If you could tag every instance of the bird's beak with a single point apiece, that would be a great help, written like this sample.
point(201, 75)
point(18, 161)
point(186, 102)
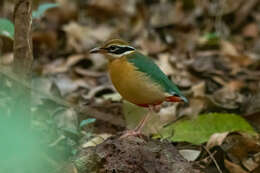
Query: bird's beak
point(97, 50)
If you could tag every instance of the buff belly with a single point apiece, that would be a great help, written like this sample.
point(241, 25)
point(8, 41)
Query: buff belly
point(133, 85)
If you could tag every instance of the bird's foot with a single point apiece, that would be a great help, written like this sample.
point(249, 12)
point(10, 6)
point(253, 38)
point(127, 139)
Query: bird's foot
point(135, 132)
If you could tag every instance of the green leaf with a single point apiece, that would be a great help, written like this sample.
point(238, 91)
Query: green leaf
point(210, 36)
point(42, 9)
point(6, 28)
point(210, 39)
point(199, 130)
point(87, 121)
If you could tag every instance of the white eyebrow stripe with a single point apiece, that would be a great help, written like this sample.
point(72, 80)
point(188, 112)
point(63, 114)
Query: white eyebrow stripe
point(128, 47)
point(120, 55)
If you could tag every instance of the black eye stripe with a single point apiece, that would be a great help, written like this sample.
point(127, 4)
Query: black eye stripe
point(112, 48)
point(119, 49)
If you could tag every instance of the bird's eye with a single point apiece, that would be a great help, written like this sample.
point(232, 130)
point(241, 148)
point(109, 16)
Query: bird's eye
point(113, 48)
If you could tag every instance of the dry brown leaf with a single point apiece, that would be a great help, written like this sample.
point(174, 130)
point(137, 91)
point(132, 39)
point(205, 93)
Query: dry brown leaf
point(96, 140)
point(250, 164)
point(227, 6)
point(46, 39)
point(190, 155)
point(199, 89)
point(196, 105)
point(251, 30)
point(228, 48)
point(66, 12)
point(226, 98)
point(99, 62)
point(114, 6)
point(151, 44)
point(166, 13)
point(67, 120)
point(237, 58)
point(168, 114)
point(68, 85)
point(6, 59)
point(56, 66)
point(236, 85)
point(239, 146)
point(163, 63)
point(85, 37)
point(216, 139)
point(61, 65)
point(234, 168)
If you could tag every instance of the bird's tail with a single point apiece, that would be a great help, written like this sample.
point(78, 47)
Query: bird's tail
point(177, 99)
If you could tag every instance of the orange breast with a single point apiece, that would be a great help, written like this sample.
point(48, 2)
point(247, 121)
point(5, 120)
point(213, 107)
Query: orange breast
point(133, 85)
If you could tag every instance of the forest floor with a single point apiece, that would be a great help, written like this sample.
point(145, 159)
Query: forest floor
point(210, 49)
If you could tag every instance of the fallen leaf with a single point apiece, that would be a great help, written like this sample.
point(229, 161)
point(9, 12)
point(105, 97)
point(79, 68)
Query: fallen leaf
point(196, 105)
point(190, 155)
point(226, 98)
point(61, 65)
point(163, 63)
point(67, 85)
point(83, 38)
point(228, 49)
point(6, 59)
point(250, 164)
point(216, 139)
point(251, 30)
point(151, 44)
point(234, 168)
point(96, 140)
point(199, 130)
point(67, 121)
point(166, 13)
point(241, 146)
point(237, 58)
point(112, 7)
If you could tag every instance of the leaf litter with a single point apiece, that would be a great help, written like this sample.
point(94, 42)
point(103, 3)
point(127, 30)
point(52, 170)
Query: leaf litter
point(212, 54)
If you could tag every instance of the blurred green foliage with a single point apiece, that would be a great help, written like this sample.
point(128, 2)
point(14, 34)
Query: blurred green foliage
point(42, 9)
point(6, 28)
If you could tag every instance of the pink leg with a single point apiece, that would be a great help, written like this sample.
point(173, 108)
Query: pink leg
point(141, 124)
point(138, 130)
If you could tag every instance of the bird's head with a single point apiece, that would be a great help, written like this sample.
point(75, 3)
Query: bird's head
point(114, 49)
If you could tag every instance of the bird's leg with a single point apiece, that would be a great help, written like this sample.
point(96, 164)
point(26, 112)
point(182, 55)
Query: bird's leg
point(138, 130)
point(141, 125)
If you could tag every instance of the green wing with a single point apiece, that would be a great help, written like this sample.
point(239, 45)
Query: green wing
point(147, 66)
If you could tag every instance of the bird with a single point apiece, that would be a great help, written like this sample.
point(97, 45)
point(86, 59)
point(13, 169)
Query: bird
point(138, 79)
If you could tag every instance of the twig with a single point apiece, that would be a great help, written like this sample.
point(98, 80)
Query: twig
point(212, 157)
point(23, 56)
point(2, 2)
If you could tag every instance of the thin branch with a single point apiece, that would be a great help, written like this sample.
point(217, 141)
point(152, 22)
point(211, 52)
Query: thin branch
point(2, 2)
point(213, 159)
point(23, 56)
